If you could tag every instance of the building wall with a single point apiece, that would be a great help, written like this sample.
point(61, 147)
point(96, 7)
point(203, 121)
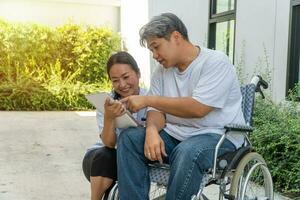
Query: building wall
point(57, 12)
point(261, 42)
point(193, 13)
point(134, 14)
point(281, 49)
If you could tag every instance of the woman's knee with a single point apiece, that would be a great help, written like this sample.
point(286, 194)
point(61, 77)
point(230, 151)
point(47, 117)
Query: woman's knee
point(105, 154)
point(87, 163)
point(105, 163)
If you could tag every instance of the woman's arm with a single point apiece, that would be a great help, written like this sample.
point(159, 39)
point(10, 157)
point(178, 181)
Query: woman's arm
point(112, 110)
point(108, 134)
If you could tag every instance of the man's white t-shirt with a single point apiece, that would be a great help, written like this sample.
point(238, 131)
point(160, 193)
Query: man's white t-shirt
point(211, 80)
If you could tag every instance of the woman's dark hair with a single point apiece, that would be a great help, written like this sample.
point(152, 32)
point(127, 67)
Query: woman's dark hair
point(121, 57)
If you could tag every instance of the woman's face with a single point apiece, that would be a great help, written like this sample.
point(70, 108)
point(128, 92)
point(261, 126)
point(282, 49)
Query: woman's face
point(124, 79)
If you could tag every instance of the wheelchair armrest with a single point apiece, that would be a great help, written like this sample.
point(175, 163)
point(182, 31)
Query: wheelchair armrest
point(238, 127)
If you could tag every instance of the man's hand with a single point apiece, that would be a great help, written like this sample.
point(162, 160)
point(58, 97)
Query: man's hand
point(154, 148)
point(135, 102)
point(113, 109)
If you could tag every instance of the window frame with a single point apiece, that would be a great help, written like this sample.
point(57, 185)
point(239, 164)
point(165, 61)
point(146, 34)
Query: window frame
point(292, 71)
point(215, 18)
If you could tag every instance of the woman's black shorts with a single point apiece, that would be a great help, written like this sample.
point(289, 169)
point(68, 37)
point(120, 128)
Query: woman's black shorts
point(100, 162)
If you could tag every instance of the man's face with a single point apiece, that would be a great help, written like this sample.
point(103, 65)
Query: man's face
point(163, 51)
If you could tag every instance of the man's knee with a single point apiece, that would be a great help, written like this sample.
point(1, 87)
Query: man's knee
point(185, 154)
point(181, 155)
point(131, 135)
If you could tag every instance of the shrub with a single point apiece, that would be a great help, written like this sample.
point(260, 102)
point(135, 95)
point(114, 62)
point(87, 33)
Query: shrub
point(43, 68)
point(277, 138)
point(86, 49)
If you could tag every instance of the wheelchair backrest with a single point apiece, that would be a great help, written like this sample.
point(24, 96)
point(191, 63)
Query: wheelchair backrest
point(248, 97)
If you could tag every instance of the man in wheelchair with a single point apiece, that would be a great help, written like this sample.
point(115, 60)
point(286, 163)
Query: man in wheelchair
point(194, 94)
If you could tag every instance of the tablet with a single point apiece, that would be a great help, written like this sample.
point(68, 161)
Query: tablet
point(98, 100)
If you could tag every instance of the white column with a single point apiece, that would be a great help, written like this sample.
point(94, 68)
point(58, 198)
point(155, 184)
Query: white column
point(134, 14)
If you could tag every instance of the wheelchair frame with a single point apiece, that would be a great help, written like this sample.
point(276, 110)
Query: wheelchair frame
point(230, 169)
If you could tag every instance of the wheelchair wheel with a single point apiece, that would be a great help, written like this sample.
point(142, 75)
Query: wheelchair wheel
point(252, 179)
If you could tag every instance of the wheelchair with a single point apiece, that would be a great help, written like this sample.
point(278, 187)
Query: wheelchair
point(240, 175)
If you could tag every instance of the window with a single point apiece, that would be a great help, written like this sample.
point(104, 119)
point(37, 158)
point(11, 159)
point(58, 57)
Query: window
point(293, 75)
point(222, 26)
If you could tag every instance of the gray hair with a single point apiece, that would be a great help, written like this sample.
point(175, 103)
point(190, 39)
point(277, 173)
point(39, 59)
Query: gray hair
point(162, 26)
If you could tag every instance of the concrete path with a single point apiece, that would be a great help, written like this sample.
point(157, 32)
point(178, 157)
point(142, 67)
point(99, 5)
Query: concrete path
point(41, 154)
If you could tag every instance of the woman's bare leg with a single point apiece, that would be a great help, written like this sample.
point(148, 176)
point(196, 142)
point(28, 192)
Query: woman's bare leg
point(99, 185)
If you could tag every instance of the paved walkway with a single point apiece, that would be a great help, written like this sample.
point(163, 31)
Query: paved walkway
point(41, 154)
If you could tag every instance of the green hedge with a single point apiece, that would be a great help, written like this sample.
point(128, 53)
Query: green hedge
point(43, 68)
point(277, 138)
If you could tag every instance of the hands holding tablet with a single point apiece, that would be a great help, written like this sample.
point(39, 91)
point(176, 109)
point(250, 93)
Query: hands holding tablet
point(113, 108)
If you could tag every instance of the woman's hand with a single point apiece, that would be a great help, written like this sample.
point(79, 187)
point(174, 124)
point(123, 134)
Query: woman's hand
point(113, 109)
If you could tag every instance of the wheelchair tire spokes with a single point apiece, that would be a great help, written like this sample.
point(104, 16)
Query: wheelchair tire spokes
point(252, 179)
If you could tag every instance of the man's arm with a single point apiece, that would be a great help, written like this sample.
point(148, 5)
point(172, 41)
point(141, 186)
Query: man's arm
point(154, 147)
point(185, 107)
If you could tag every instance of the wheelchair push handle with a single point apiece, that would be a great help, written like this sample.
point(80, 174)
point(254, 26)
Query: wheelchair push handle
point(262, 82)
point(259, 82)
